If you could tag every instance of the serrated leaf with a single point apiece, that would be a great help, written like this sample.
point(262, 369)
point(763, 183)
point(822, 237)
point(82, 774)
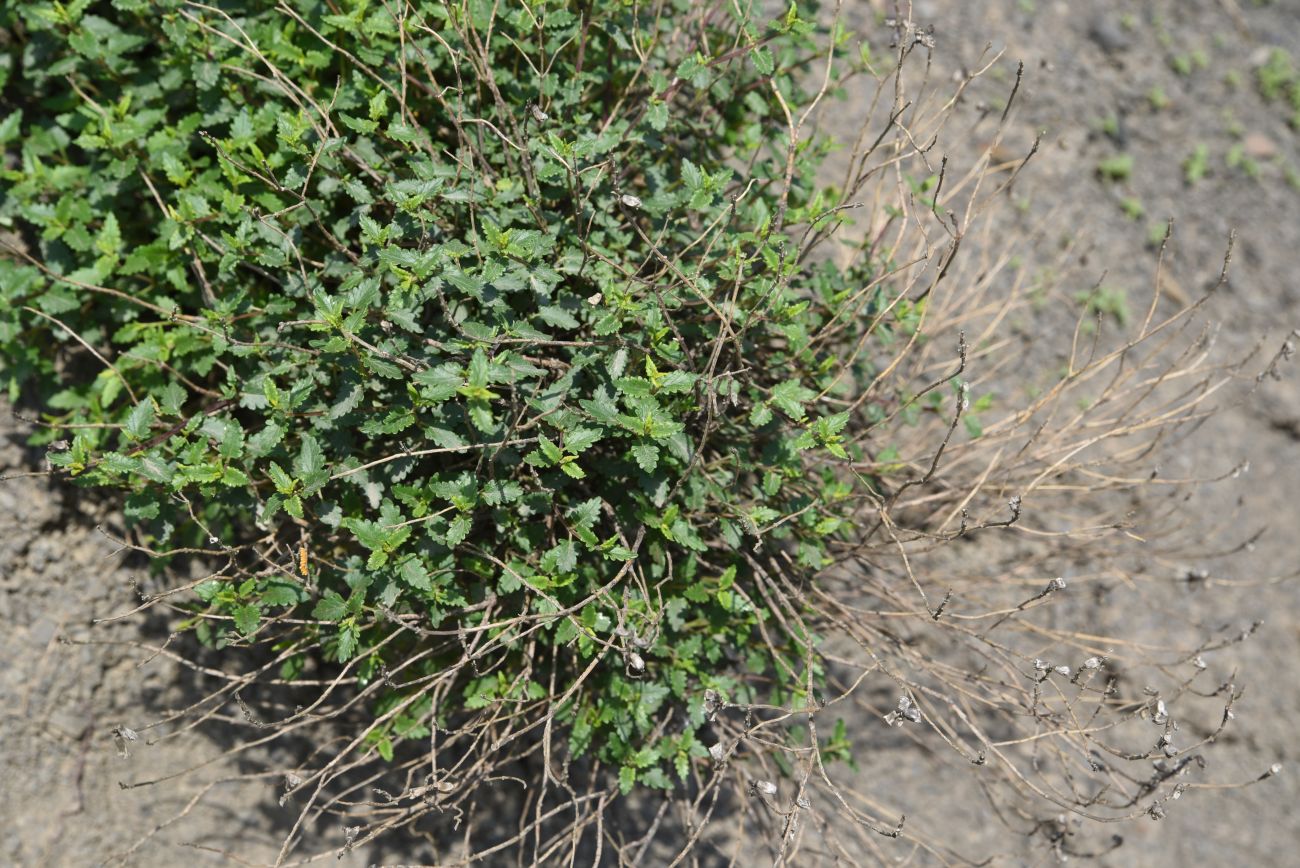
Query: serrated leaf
point(246, 619)
point(554, 315)
point(458, 530)
point(283, 482)
point(370, 534)
point(550, 451)
point(691, 174)
point(566, 558)
point(235, 478)
point(440, 383)
point(635, 386)
point(347, 643)
point(573, 471)
point(477, 372)
point(265, 440)
point(657, 115)
point(172, 399)
point(281, 592)
point(584, 515)
point(646, 456)
point(416, 574)
point(310, 459)
point(384, 368)
point(109, 239)
point(789, 397)
point(139, 419)
point(232, 440)
point(581, 439)
point(677, 381)
point(835, 424)
point(602, 408)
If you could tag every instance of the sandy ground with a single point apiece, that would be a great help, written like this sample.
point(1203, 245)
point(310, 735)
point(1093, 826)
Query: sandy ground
point(1159, 81)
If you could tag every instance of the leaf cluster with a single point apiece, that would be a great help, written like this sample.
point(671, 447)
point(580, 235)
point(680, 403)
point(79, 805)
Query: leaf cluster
point(497, 311)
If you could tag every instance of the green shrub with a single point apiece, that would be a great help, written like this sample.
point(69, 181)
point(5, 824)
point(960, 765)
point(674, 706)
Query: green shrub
point(486, 349)
point(507, 347)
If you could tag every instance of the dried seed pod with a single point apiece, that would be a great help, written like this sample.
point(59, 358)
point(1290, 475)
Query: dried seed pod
point(712, 702)
point(1161, 716)
point(717, 753)
point(767, 788)
point(905, 711)
point(630, 201)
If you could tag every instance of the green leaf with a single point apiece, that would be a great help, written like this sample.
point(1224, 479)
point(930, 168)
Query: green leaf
point(264, 441)
point(573, 471)
point(348, 639)
point(550, 451)
point(330, 607)
point(283, 482)
point(626, 779)
point(282, 592)
point(581, 439)
point(11, 126)
point(790, 397)
point(247, 618)
point(416, 574)
point(566, 559)
point(556, 316)
point(620, 553)
point(478, 370)
point(677, 381)
point(635, 386)
point(585, 514)
point(691, 174)
point(109, 239)
point(139, 420)
point(657, 115)
point(235, 478)
point(440, 383)
point(310, 459)
point(458, 530)
point(646, 455)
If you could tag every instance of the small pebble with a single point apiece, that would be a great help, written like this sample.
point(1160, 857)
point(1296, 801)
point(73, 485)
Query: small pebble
point(1108, 35)
point(1259, 146)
